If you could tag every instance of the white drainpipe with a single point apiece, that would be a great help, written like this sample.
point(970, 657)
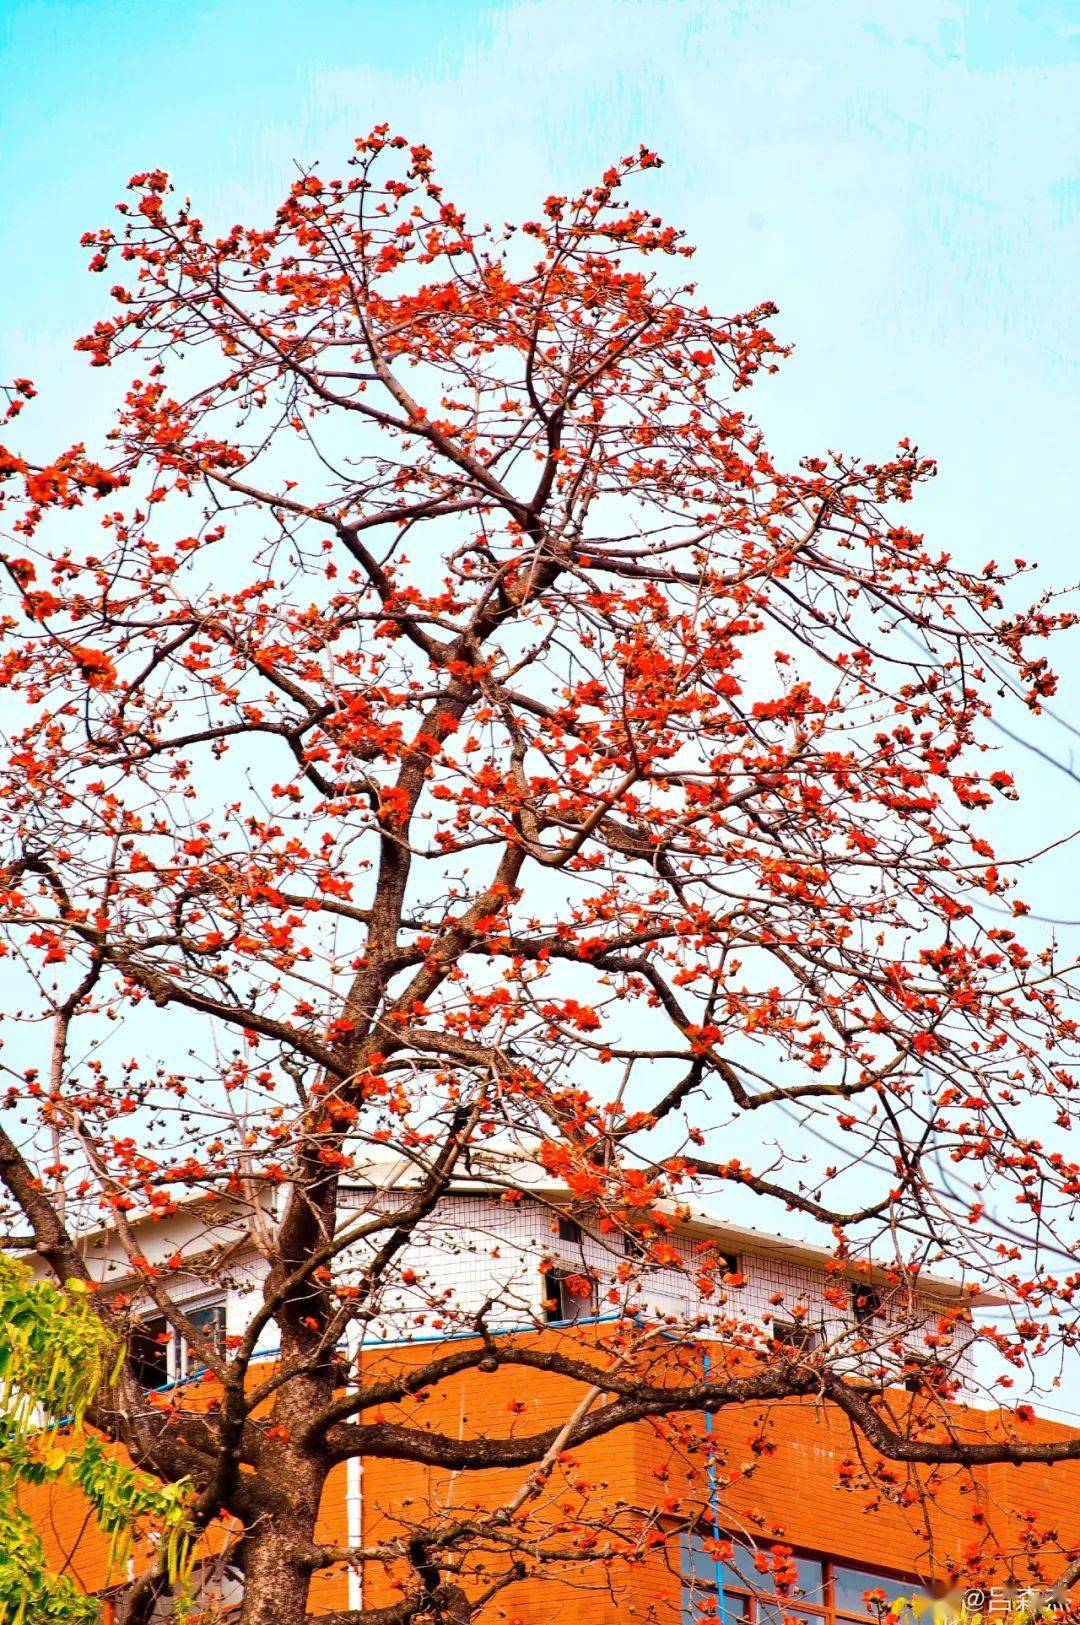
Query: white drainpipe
point(354, 1525)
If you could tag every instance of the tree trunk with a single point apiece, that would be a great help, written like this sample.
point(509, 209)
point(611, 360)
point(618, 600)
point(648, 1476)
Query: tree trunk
point(276, 1582)
point(275, 1585)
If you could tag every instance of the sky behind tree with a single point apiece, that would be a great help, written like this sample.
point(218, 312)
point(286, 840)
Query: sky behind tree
point(900, 182)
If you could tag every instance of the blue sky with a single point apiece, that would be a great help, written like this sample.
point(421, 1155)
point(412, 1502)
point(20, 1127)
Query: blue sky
point(897, 178)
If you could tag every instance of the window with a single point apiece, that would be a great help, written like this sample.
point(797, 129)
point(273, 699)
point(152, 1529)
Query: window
point(634, 1245)
point(210, 1320)
point(924, 1375)
point(151, 1342)
point(160, 1356)
point(861, 1594)
point(815, 1591)
point(568, 1296)
point(866, 1302)
point(795, 1335)
point(730, 1269)
point(569, 1230)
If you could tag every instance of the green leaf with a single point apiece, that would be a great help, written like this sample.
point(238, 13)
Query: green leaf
point(56, 1353)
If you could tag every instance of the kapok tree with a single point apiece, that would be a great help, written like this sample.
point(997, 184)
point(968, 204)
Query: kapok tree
point(434, 718)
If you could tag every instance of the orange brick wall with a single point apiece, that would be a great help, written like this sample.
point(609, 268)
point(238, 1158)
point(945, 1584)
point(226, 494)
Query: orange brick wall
point(792, 1493)
point(949, 1522)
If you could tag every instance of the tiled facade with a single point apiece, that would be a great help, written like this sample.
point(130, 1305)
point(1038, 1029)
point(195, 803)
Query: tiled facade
point(797, 1488)
point(478, 1249)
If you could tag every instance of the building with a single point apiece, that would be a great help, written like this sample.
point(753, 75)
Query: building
point(789, 1482)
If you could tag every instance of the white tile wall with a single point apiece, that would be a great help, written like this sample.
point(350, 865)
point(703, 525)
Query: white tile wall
point(477, 1250)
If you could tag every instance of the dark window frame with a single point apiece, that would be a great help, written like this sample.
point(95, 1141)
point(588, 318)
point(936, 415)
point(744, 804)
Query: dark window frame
point(171, 1360)
point(803, 1336)
point(634, 1244)
point(926, 1373)
point(867, 1303)
point(558, 1298)
point(150, 1343)
point(201, 1315)
point(758, 1605)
